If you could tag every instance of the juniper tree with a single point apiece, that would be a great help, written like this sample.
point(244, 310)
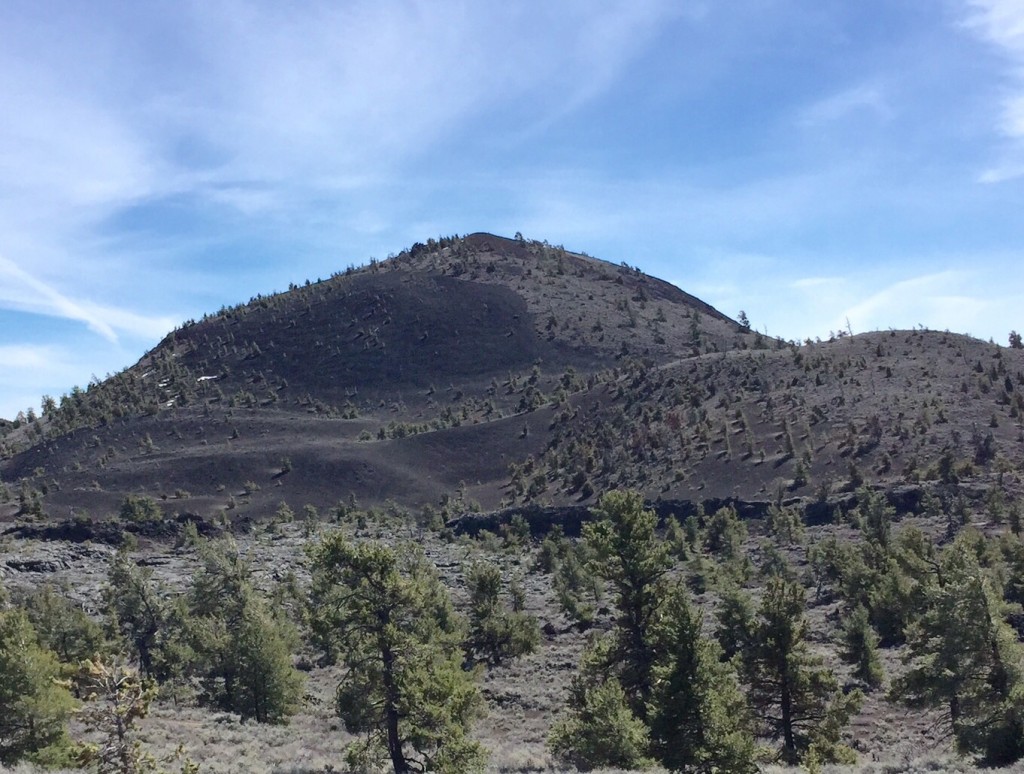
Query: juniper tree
point(388, 620)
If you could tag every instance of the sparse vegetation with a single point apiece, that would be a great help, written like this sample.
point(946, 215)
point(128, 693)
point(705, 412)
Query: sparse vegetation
point(596, 470)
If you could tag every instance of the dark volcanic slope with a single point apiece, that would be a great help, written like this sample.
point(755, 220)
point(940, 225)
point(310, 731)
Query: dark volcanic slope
point(518, 373)
point(369, 382)
point(454, 311)
point(381, 331)
point(883, 408)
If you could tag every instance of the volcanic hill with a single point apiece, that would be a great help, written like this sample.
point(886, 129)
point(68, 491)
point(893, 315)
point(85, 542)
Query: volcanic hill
point(447, 390)
point(507, 373)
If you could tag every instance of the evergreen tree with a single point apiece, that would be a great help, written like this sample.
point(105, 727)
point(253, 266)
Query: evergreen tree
point(1014, 518)
point(828, 559)
point(599, 729)
point(725, 533)
point(797, 697)
point(774, 563)
point(577, 589)
point(267, 687)
point(631, 557)
point(735, 616)
point(34, 706)
point(699, 718)
point(495, 632)
point(654, 687)
point(785, 525)
point(965, 659)
point(860, 648)
point(893, 600)
point(117, 699)
point(63, 626)
point(876, 516)
point(137, 611)
point(392, 625)
point(243, 653)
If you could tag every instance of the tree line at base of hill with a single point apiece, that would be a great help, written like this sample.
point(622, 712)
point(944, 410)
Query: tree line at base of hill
point(665, 682)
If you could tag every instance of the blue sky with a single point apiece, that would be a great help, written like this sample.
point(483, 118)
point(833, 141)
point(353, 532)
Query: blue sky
point(810, 162)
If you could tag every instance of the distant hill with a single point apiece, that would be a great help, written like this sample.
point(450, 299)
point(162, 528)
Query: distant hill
point(512, 372)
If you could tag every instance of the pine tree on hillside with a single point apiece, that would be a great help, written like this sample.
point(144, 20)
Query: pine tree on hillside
point(798, 698)
point(634, 560)
point(393, 627)
point(964, 658)
point(699, 717)
point(34, 706)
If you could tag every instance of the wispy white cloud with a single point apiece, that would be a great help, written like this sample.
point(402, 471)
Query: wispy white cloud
point(1001, 24)
point(572, 205)
point(864, 98)
point(1007, 169)
point(20, 356)
point(170, 157)
point(259, 109)
point(902, 296)
point(964, 301)
point(926, 299)
point(345, 90)
point(29, 371)
point(817, 283)
point(1002, 21)
point(21, 290)
point(140, 147)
